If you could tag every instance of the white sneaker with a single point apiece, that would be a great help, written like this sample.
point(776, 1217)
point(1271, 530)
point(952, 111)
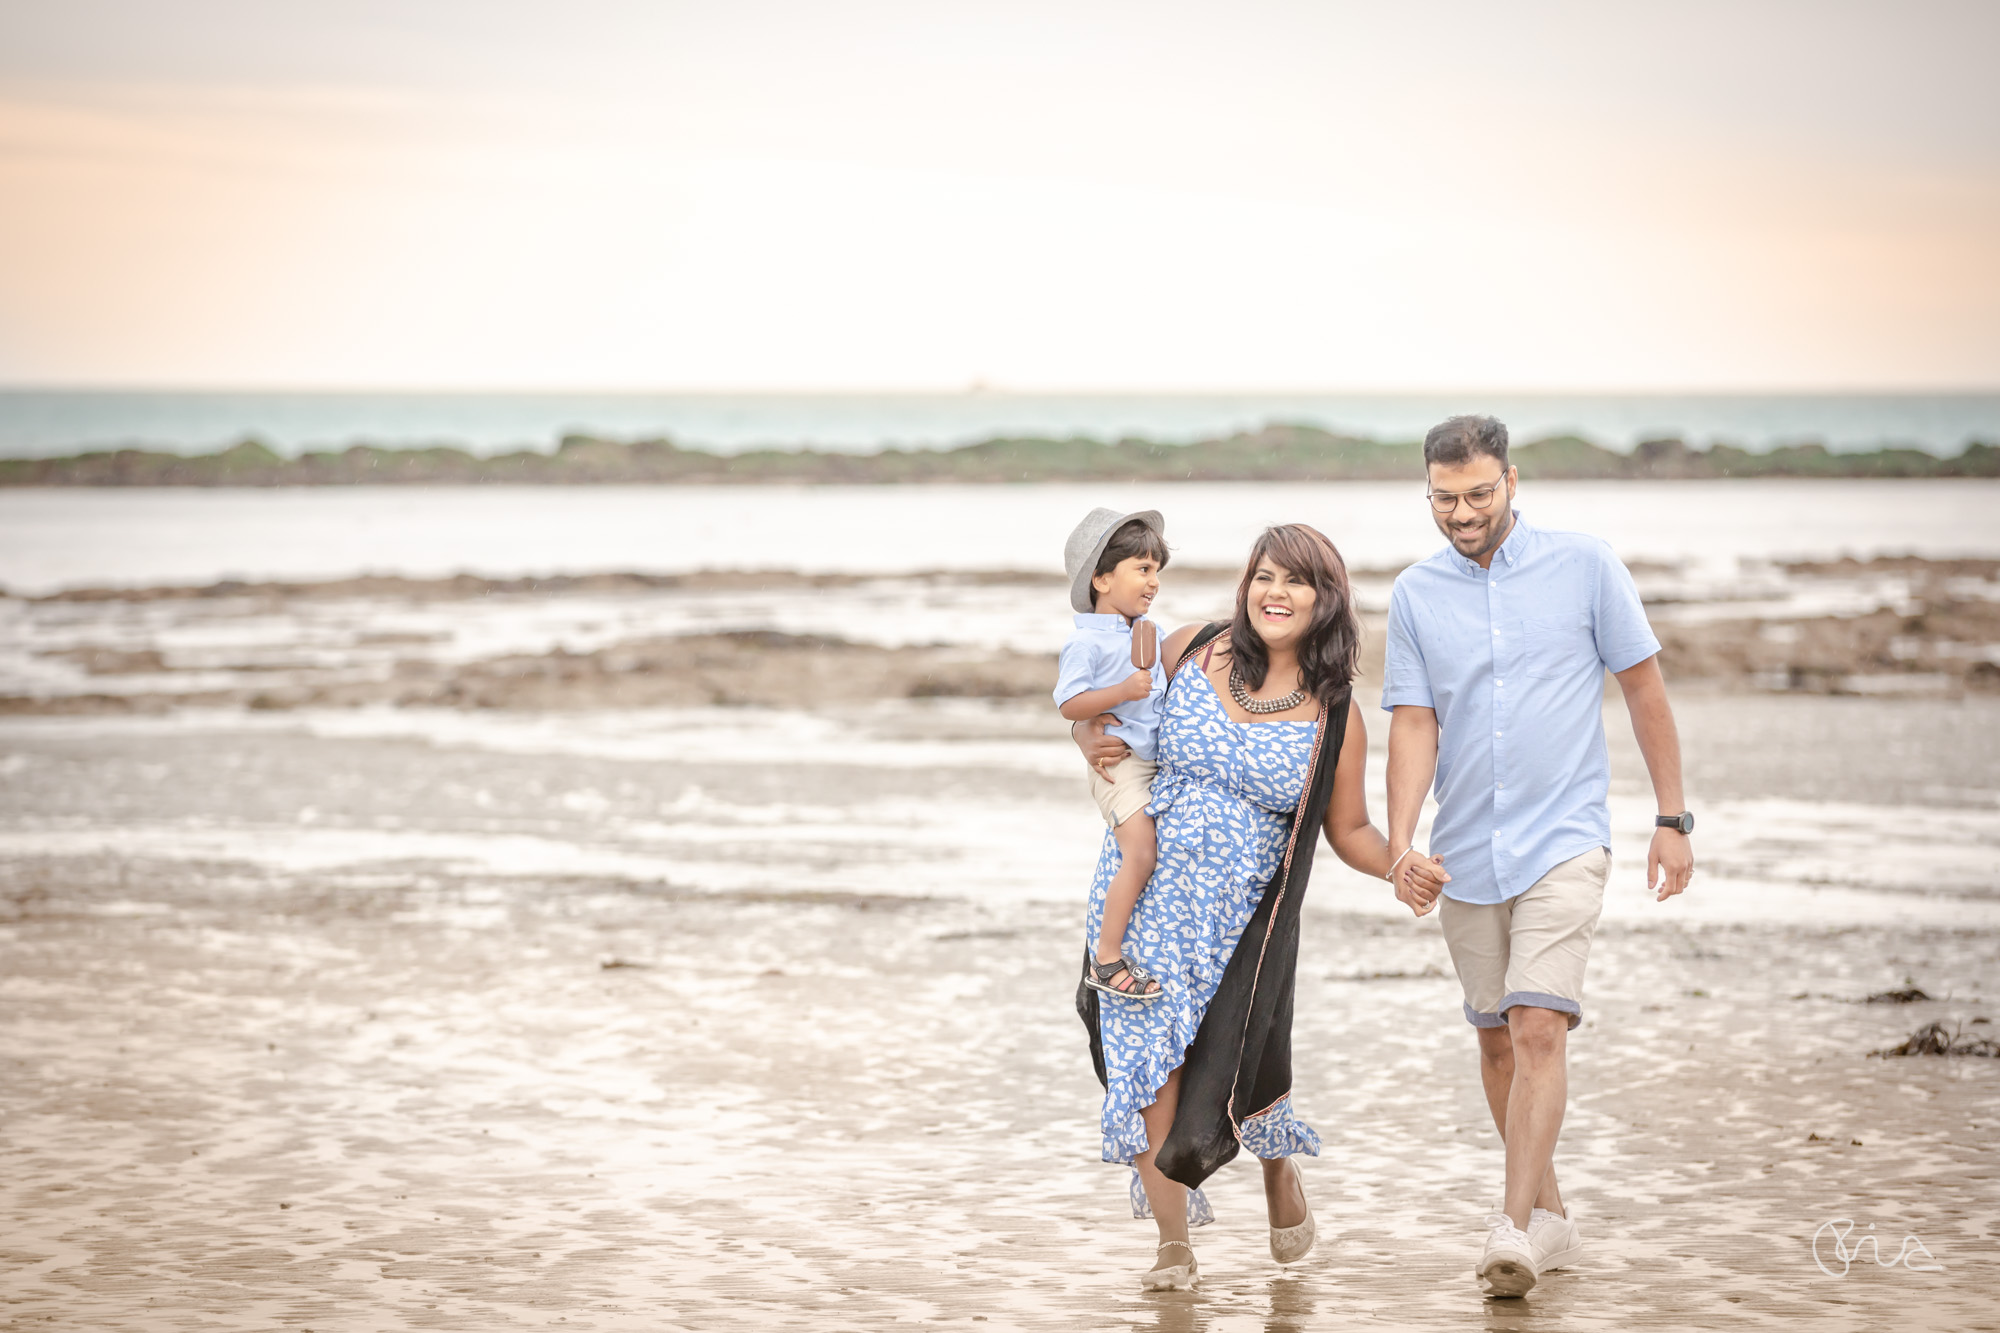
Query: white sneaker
point(1507, 1269)
point(1557, 1242)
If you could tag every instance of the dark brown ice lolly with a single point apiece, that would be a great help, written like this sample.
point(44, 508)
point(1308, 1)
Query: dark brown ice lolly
point(1145, 644)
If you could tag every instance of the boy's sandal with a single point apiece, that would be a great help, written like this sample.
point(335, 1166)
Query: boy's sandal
point(1122, 978)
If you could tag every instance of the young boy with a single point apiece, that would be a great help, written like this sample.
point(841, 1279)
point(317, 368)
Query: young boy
point(1110, 664)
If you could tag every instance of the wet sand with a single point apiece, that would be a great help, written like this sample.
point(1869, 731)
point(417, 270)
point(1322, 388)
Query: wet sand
point(432, 1019)
point(348, 1104)
point(696, 952)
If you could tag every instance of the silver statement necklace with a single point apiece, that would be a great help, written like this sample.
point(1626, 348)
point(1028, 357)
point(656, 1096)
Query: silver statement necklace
point(1241, 694)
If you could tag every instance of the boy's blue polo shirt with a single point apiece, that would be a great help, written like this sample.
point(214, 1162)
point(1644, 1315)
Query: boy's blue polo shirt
point(1513, 661)
point(1097, 655)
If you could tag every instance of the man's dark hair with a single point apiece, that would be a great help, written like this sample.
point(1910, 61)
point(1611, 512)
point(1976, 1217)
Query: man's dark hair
point(1133, 538)
point(1458, 440)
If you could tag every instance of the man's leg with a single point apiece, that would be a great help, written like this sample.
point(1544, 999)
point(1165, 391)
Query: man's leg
point(1548, 950)
point(1524, 1085)
point(1478, 936)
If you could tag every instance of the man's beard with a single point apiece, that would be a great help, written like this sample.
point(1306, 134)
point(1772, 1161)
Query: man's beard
point(1488, 537)
point(1473, 542)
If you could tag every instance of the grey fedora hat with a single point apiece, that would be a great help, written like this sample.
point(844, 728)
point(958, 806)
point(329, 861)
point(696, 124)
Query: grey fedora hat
point(1087, 543)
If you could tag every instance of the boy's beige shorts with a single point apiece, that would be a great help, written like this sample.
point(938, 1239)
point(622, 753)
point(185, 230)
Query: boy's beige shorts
point(1532, 948)
point(1131, 786)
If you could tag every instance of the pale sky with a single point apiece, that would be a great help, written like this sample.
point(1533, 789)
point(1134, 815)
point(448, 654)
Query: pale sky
point(1081, 195)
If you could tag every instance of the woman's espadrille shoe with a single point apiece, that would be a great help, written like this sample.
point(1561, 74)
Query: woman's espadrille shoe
point(1172, 1277)
point(1291, 1244)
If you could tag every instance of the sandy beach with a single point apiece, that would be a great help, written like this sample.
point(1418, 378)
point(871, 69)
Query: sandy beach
point(337, 1000)
point(535, 550)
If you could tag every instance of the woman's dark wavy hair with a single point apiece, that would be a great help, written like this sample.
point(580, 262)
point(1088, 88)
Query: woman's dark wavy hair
point(1331, 646)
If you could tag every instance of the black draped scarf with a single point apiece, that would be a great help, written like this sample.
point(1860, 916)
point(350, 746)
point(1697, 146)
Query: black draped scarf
point(1240, 1061)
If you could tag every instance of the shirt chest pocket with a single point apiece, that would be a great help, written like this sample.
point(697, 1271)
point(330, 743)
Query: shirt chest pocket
point(1558, 646)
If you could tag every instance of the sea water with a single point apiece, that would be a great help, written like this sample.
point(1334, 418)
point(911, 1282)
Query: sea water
point(58, 538)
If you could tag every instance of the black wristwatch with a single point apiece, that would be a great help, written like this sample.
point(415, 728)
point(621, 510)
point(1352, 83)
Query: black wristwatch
point(1684, 821)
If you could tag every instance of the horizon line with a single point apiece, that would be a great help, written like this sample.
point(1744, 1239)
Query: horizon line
point(982, 390)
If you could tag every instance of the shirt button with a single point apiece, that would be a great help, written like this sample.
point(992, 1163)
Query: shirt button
point(1498, 682)
point(1499, 786)
point(1496, 735)
point(1496, 833)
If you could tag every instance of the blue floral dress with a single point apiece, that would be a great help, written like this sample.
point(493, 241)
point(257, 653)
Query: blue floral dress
point(1222, 801)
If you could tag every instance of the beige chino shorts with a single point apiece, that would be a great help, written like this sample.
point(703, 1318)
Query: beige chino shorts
point(1130, 788)
point(1531, 949)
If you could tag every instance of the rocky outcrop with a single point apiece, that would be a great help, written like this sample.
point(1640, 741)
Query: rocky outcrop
point(1275, 453)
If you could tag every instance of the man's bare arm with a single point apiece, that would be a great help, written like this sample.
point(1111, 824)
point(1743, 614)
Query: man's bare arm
point(1670, 859)
point(1413, 752)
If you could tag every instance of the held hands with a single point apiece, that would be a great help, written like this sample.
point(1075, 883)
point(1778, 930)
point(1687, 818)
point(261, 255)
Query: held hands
point(1419, 880)
point(1669, 862)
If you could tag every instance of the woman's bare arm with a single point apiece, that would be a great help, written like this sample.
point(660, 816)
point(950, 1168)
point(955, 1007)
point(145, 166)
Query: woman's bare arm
point(1348, 829)
point(1176, 644)
point(1352, 835)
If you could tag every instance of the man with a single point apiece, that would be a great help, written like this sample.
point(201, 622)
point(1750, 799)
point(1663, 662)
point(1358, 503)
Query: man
point(1495, 677)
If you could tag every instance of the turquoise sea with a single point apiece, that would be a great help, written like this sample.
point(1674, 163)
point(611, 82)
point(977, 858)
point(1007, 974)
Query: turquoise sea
point(41, 422)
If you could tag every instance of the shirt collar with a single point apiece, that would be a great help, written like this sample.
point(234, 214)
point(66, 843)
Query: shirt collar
point(1516, 544)
point(1510, 552)
point(1110, 620)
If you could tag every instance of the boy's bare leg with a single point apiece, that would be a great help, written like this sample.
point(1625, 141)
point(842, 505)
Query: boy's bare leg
point(1168, 1197)
point(1138, 851)
point(1502, 1081)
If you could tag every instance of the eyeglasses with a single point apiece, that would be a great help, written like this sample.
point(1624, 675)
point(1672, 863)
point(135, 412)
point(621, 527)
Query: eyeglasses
point(1479, 498)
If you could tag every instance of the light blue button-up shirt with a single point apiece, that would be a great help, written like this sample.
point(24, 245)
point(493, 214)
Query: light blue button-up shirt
point(1097, 654)
point(1513, 660)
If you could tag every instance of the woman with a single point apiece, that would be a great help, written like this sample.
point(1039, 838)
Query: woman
point(1260, 744)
